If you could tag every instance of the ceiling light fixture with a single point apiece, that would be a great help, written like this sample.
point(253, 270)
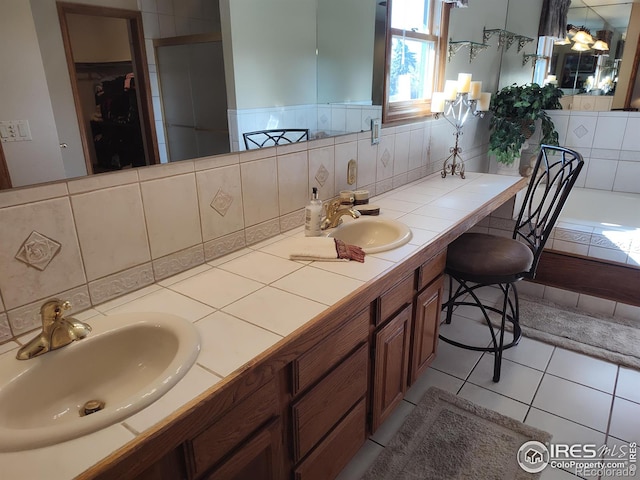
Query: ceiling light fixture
point(600, 45)
point(580, 47)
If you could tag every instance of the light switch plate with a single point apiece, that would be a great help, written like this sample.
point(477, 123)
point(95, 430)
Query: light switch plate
point(375, 131)
point(14, 131)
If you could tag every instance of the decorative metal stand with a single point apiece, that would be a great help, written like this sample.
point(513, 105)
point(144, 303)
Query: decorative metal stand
point(456, 113)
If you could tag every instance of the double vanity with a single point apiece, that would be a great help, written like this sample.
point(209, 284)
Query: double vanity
point(301, 406)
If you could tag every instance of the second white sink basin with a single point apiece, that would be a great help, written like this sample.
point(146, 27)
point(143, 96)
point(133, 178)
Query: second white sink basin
point(373, 234)
point(128, 362)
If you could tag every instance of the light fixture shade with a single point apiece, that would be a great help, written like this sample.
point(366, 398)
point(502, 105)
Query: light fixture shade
point(564, 41)
point(600, 45)
point(580, 47)
point(583, 37)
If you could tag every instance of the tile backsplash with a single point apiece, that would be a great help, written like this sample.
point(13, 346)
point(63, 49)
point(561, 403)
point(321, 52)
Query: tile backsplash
point(93, 239)
point(609, 143)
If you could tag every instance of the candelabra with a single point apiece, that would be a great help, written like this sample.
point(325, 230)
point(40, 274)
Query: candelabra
point(456, 113)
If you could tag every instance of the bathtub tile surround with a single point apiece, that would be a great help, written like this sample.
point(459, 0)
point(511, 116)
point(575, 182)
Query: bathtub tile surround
point(580, 236)
point(609, 143)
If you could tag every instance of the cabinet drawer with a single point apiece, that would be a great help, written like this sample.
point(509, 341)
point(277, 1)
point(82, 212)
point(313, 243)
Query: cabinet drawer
point(319, 359)
point(319, 410)
point(235, 426)
point(396, 297)
point(430, 270)
point(335, 451)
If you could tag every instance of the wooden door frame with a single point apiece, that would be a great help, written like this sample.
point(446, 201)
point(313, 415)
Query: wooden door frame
point(140, 69)
point(5, 178)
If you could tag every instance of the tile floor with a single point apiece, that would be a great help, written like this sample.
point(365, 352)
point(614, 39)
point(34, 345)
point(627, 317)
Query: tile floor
point(577, 398)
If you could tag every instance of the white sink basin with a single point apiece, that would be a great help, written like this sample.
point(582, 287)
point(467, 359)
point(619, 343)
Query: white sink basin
point(128, 362)
point(373, 234)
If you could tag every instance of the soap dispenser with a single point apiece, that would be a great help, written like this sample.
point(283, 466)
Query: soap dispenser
point(313, 216)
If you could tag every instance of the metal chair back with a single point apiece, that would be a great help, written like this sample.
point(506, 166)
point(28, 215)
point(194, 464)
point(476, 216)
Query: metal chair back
point(554, 175)
point(270, 138)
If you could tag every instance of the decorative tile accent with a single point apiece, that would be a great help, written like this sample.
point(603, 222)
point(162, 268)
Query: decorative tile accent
point(178, 262)
point(414, 175)
point(322, 175)
point(224, 245)
point(572, 235)
point(262, 231)
point(384, 186)
point(221, 202)
point(385, 158)
point(121, 283)
point(5, 329)
point(26, 318)
point(324, 119)
point(618, 241)
point(291, 220)
point(581, 131)
point(38, 250)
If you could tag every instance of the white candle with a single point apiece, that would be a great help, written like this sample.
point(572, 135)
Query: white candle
point(450, 89)
point(437, 102)
point(484, 102)
point(474, 90)
point(464, 82)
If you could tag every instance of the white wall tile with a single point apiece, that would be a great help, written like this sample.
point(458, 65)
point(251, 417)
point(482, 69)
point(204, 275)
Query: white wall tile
point(367, 156)
point(111, 230)
point(609, 132)
point(222, 188)
point(597, 305)
point(293, 191)
point(561, 297)
point(322, 171)
point(386, 158)
point(343, 153)
point(627, 311)
point(401, 153)
point(172, 214)
point(580, 131)
point(627, 177)
point(259, 190)
point(21, 283)
point(600, 174)
point(631, 139)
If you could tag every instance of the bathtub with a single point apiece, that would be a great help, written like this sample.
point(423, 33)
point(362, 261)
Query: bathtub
point(594, 248)
point(599, 224)
point(602, 209)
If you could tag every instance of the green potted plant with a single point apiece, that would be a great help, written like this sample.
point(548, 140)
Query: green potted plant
point(515, 109)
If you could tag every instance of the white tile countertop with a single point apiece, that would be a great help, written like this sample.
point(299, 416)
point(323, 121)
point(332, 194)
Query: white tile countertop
point(245, 302)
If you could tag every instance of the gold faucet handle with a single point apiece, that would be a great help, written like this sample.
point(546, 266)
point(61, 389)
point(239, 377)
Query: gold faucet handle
point(66, 305)
point(333, 207)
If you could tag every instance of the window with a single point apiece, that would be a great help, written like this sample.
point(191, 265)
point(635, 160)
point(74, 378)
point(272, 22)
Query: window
point(416, 45)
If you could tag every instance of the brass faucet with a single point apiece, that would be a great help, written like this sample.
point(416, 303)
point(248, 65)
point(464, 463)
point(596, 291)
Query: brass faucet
point(57, 331)
point(335, 214)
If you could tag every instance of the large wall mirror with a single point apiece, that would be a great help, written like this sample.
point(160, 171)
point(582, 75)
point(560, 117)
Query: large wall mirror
point(589, 72)
point(322, 64)
point(313, 72)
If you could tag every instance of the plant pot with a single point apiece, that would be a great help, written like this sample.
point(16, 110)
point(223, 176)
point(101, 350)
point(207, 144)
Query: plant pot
point(513, 169)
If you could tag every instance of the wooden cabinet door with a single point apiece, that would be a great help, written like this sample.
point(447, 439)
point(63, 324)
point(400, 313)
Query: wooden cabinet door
point(425, 328)
point(259, 458)
point(169, 467)
point(391, 365)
